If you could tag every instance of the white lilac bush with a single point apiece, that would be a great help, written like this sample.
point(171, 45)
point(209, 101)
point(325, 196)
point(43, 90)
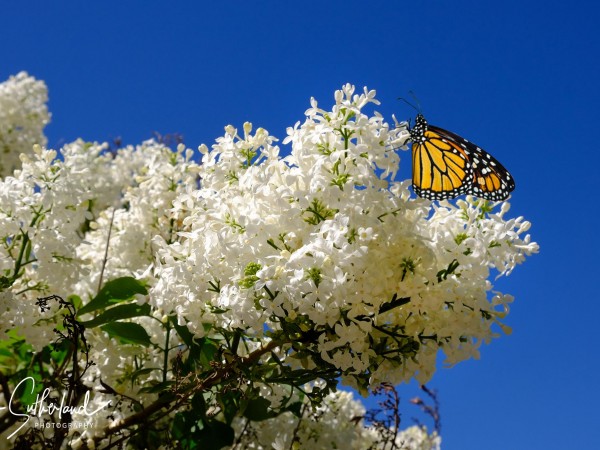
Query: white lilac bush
point(23, 116)
point(188, 300)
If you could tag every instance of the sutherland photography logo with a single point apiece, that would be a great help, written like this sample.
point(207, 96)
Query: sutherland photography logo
point(45, 407)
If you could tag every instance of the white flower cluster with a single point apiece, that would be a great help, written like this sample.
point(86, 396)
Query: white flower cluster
point(23, 116)
point(337, 423)
point(59, 211)
point(322, 246)
point(65, 207)
point(326, 239)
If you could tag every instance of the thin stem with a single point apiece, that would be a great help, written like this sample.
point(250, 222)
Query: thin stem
point(166, 353)
point(295, 433)
point(105, 259)
point(18, 263)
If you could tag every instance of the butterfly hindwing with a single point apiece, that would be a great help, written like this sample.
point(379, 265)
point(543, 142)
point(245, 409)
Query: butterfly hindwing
point(491, 180)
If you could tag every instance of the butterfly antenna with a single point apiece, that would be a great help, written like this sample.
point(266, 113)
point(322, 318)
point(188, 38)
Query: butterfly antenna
point(416, 99)
point(412, 105)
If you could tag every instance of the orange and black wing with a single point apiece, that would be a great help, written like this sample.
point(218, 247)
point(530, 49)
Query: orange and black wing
point(441, 167)
point(489, 179)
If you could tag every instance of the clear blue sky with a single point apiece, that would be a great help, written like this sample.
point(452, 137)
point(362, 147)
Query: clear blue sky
point(519, 78)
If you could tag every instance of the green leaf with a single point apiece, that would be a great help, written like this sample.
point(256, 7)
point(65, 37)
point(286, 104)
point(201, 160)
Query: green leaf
point(29, 388)
point(155, 387)
point(259, 409)
point(199, 405)
point(75, 300)
point(115, 291)
point(146, 438)
point(295, 408)
point(128, 333)
point(200, 350)
point(14, 350)
point(142, 372)
point(181, 425)
point(117, 313)
point(230, 404)
point(184, 333)
point(60, 351)
point(207, 352)
point(5, 282)
point(214, 436)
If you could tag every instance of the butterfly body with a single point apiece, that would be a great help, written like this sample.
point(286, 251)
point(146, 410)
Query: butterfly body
point(446, 165)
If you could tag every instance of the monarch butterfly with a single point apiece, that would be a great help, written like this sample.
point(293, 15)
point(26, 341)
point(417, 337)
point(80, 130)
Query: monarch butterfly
point(446, 165)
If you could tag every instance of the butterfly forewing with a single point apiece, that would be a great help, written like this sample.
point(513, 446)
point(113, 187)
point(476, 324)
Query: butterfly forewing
point(440, 168)
point(446, 165)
